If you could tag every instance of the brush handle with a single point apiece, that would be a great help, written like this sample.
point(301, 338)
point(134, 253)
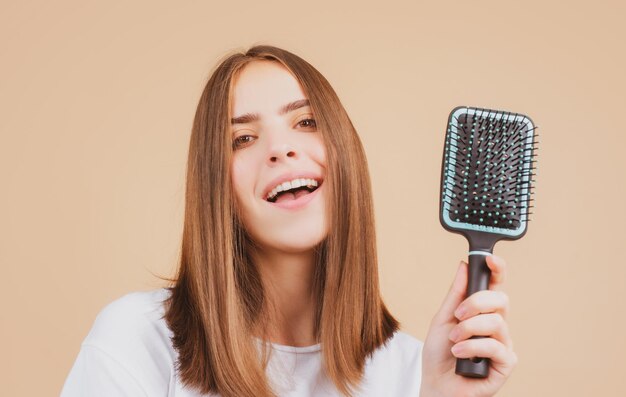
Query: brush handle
point(478, 280)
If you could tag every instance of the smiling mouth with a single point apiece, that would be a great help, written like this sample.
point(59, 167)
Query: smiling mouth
point(294, 193)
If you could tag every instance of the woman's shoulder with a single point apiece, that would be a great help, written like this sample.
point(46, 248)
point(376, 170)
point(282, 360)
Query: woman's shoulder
point(399, 353)
point(401, 350)
point(406, 340)
point(395, 368)
point(141, 305)
point(404, 345)
point(133, 320)
point(127, 349)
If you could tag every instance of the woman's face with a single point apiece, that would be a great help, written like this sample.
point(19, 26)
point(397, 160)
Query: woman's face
point(277, 147)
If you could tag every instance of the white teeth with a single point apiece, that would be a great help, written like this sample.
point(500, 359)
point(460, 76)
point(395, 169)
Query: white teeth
point(291, 185)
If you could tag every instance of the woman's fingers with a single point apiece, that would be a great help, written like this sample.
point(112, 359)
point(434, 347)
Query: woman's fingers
point(503, 357)
point(497, 266)
point(491, 325)
point(485, 301)
point(483, 314)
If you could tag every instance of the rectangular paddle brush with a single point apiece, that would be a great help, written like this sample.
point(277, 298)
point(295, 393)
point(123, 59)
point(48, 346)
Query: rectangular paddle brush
point(486, 186)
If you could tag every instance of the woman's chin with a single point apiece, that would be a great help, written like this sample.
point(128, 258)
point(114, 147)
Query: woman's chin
point(294, 242)
point(296, 247)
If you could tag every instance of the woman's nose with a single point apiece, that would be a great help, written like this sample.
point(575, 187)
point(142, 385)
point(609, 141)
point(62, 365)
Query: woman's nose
point(280, 145)
point(281, 153)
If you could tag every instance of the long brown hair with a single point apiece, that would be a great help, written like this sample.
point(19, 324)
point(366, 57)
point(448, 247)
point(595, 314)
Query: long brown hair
point(218, 299)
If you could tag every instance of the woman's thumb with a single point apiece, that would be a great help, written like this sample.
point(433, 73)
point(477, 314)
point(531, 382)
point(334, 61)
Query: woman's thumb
point(455, 296)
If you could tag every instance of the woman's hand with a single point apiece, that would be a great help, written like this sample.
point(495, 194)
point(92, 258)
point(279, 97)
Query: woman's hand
point(458, 319)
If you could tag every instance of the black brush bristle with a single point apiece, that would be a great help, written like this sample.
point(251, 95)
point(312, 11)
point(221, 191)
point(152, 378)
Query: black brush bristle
point(490, 168)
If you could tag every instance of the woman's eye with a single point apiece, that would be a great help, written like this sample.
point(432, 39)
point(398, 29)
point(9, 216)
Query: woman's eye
point(241, 140)
point(308, 123)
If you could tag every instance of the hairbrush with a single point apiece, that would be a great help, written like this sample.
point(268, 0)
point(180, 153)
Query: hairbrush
point(487, 174)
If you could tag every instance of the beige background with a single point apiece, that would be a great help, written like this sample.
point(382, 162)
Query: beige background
point(96, 104)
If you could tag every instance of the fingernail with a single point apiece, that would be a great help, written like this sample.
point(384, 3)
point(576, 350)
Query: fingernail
point(454, 335)
point(459, 312)
point(456, 349)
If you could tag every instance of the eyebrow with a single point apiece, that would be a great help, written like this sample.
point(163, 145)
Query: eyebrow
point(290, 107)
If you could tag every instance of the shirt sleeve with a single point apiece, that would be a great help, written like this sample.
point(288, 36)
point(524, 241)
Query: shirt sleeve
point(97, 374)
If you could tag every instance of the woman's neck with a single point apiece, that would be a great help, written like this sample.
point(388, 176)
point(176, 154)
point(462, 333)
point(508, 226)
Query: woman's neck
point(288, 281)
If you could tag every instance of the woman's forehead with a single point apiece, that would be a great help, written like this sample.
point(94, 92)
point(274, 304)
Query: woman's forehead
point(264, 87)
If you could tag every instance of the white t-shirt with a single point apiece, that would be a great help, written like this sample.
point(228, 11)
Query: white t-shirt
point(128, 352)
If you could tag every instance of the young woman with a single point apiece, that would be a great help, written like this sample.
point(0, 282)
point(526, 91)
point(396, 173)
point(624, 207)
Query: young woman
point(277, 291)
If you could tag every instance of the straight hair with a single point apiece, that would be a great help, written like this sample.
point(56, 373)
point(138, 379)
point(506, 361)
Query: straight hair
point(217, 299)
